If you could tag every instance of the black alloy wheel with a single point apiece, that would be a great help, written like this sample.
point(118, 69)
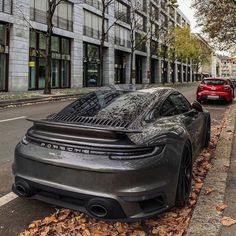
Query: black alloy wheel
point(185, 178)
point(207, 134)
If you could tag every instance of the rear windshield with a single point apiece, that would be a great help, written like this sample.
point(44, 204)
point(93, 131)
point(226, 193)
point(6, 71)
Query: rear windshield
point(214, 82)
point(110, 104)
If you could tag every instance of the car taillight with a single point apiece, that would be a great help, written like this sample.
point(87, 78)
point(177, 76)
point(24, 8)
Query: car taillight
point(200, 88)
point(227, 88)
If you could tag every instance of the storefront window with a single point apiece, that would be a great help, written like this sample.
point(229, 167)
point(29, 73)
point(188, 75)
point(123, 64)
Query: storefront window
point(65, 74)
point(42, 41)
point(91, 66)
point(32, 73)
point(32, 39)
point(65, 46)
point(55, 73)
point(3, 57)
point(2, 71)
point(2, 34)
point(60, 61)
point(55, 44)
point(42, 73)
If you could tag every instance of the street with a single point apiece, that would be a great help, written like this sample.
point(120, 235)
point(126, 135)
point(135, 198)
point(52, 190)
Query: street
point(13, 126)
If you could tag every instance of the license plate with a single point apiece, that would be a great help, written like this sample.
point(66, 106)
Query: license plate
point(213, 97)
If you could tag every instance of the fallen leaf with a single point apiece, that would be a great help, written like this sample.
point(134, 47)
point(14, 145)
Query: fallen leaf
point(209, 191)
point(32, 226)
point(220, 207)
point(227, 221)
point(198, 185)
point(138, 233)
point(50, 219)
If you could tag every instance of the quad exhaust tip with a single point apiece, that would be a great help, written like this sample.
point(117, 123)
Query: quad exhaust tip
point(98, 210)
point(23, 189)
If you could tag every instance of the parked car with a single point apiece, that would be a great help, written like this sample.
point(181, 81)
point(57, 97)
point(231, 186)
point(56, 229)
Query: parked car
point(215, 89)
point(113, 154)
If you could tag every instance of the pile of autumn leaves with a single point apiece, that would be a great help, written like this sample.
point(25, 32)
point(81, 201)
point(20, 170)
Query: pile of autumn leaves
point(70, 223)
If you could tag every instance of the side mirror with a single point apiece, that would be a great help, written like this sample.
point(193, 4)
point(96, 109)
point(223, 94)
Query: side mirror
point(197, 106)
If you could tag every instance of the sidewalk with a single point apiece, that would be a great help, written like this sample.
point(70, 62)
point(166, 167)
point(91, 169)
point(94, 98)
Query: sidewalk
point(230, 194)
point(30, 97)
point(208, 217)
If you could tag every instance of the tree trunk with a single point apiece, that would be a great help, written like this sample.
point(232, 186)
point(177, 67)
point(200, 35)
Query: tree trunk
point(101, 64)
point(47, 89)
point(132, 71)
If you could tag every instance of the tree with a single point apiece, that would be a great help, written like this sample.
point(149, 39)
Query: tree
point(186, 46)
point(105, 31)
point(201, 53)
point(218, 21)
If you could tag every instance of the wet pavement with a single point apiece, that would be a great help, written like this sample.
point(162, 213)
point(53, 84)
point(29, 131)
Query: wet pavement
point(230, 195)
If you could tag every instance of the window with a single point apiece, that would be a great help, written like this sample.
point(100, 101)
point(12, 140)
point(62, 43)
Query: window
point(2, 34)
point(42, 42)
point(164, 20)
point(140, 42)
point(168, 108)
point(93, 25)
point(65, 46)
point(55, 44)
point(122, 12)
point(180, 103)
point(63, 16)
point(60, 61)
point(154, 13)
point(164, 5)
point(122, 36)
point(213, 82)
point(6, 6)
point(97, 4)
point(140, 22)
point(141, 5)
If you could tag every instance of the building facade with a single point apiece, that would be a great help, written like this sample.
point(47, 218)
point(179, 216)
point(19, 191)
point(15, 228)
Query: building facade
point(228, 66)
point(76, 54)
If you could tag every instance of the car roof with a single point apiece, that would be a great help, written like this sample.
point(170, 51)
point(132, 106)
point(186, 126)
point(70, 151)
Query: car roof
point(158, 90)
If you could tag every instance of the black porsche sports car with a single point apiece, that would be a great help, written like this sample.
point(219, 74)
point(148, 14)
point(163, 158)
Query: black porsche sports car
point(113, 154)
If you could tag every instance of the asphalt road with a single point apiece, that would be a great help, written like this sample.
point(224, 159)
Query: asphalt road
point(16, 215)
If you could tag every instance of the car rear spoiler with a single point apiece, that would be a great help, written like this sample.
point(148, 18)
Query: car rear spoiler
point(49, 123)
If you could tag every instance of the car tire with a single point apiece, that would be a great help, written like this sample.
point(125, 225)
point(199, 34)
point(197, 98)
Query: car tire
point(184, 186)
point(207, 134)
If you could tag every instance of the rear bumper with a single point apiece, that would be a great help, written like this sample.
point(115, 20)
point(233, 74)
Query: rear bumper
point(132, 190)
point(208, 95)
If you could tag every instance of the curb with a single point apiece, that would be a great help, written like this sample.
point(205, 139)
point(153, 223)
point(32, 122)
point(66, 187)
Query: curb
point(206, 219)
point(19, 102)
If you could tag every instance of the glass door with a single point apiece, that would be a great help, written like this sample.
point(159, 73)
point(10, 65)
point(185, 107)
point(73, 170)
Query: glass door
point(55, 74)
point(2, 72)
point(93, 74)
point(42, 73)
point(32, 73)
point(65, 74)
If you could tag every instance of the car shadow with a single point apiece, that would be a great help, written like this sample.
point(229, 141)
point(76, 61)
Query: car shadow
point(216, 103)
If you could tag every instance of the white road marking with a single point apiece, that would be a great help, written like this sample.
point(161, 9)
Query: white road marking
point(12, 119)
point(7, 198)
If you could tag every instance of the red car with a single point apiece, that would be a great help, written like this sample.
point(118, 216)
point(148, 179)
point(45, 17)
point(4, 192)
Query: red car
point(215, 89)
